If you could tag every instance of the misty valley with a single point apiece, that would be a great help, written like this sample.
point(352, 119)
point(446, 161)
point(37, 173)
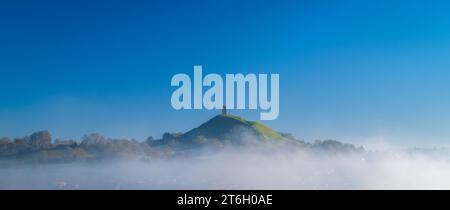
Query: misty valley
point(225, 152)
point(221, 132)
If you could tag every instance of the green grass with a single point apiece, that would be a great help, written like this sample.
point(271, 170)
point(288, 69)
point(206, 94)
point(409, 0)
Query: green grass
point(265, 131)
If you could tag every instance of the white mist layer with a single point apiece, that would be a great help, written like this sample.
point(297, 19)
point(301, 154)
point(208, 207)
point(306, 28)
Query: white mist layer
point(242, 169)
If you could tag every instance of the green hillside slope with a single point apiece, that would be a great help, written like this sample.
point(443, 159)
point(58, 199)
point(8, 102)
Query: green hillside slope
point(233, 129)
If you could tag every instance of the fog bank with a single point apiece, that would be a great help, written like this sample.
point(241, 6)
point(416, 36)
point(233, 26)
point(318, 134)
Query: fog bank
point(243, 169)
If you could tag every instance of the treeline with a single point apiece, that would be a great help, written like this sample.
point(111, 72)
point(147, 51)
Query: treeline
point(92, 146)
point(40, 147)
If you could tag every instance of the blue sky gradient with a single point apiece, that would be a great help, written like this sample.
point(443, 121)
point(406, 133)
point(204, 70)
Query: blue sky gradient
point(356, 71)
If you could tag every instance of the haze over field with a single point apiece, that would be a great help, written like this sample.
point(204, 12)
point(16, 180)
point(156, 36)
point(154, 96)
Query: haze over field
point(242, 169)
point(372, 76)
point(226, 152)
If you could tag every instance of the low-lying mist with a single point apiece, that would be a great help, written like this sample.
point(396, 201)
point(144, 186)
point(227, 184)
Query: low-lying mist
point(243, 169)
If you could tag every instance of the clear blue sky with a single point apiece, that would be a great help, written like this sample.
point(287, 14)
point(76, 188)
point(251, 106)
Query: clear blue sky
point(349, 70)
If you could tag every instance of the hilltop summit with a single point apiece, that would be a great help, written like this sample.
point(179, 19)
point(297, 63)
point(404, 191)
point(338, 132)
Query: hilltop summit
point(228, 129)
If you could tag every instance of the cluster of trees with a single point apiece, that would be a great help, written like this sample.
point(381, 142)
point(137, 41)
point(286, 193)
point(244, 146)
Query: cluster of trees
point(37, 141)
point(108, 147)
point(92, 146)
point(335, 147)
point(169, 139)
